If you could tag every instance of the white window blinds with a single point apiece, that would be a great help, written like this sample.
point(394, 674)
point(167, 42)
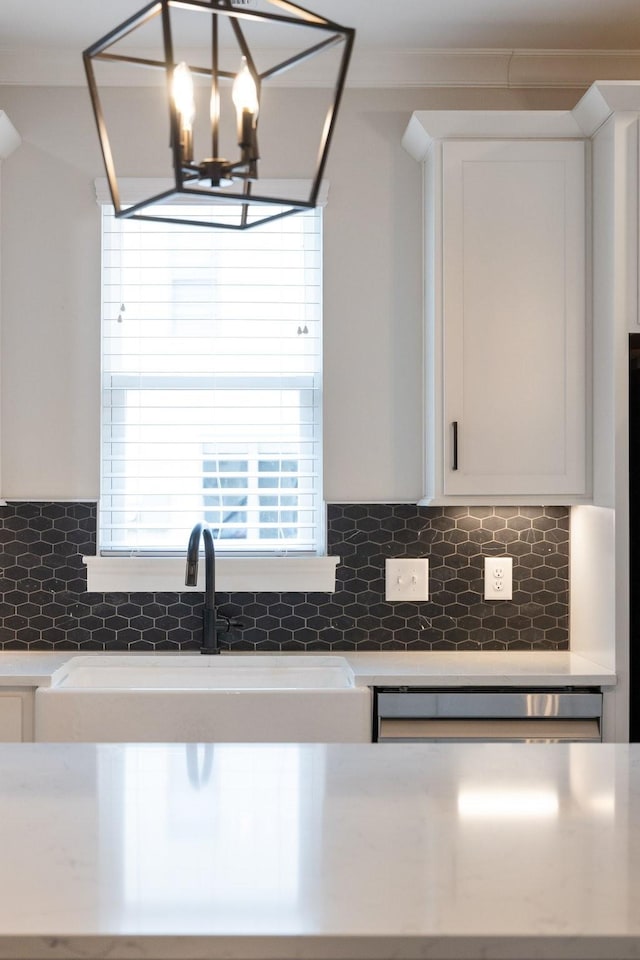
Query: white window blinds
point(211, 386)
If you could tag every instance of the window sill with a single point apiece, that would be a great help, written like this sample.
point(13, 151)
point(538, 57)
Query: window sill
point(253, 574)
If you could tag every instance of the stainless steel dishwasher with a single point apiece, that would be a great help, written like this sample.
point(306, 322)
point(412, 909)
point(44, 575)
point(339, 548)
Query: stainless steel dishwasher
point(531, 715)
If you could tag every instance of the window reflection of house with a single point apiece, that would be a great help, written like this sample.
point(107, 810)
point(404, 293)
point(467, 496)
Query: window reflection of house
point(226, 827)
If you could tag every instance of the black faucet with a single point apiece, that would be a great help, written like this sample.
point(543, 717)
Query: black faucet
point(209, 625)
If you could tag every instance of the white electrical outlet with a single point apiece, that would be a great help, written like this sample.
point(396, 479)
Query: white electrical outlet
point(498, 578)
point(407, 579)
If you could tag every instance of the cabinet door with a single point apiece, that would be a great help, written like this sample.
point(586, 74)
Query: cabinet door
point(514, 325)
point(10, 718)
point(16, 714)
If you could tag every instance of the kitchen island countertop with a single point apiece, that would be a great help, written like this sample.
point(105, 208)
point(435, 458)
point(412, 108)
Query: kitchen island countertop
point(316, 852)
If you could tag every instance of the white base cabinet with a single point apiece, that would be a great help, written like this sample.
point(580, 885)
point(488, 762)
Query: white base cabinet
point(507, 348)
point(16, 715)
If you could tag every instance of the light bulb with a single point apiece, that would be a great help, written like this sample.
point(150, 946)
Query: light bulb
point(245, 92)
point(183, 95)
point(214, 107)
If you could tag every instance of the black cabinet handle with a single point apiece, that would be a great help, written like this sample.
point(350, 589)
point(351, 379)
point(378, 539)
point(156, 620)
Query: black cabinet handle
point(454, 464)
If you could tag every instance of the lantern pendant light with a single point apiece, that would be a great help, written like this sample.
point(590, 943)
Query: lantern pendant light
point(198, 186)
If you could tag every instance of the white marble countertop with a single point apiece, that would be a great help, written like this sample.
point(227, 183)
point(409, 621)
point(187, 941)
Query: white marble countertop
point(373, 668)
point(316, 852)
point(479, 667)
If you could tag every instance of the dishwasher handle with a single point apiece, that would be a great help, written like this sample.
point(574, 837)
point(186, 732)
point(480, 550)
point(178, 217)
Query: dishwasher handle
point(494, 731)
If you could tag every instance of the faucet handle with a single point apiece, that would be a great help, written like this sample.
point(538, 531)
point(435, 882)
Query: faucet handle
point(225, 624)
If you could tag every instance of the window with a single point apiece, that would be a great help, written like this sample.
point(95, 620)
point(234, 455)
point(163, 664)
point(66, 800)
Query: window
point(211, 386)
point(271, 514)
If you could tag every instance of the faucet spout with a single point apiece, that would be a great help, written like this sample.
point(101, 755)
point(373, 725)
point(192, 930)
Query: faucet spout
point(209, 631)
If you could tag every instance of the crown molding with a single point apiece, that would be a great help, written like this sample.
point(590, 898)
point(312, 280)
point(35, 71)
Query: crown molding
point(369, 68)
point(425, 126)
point(602, 100)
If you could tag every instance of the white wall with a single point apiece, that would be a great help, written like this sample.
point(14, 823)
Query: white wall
point(373, 342)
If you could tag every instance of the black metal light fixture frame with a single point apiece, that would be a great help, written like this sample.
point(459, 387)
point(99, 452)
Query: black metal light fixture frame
point(207, 181)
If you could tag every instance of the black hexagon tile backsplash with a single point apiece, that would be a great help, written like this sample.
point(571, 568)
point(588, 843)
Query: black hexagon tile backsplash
point(44, 603)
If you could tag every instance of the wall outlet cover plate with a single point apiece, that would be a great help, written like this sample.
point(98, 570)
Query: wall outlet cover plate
point(498, 578)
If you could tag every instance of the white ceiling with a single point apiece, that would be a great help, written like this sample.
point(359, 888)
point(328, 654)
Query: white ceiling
point(398, 24)
point(53, 31)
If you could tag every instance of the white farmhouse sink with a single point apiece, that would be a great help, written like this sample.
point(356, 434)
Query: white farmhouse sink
point(205, 673)
point(210, 698)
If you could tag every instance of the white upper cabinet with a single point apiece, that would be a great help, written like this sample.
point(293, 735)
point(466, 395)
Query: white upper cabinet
point(506, 317)
point(514, 317)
